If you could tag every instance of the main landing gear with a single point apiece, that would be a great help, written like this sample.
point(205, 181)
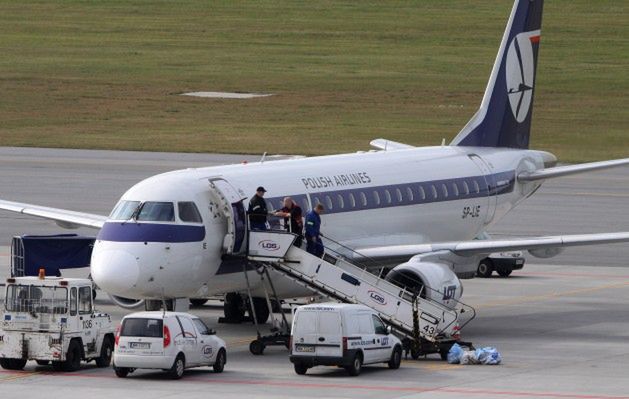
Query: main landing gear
point(236, 306)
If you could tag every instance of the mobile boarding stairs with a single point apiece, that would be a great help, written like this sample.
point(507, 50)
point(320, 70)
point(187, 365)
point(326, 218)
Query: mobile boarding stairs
point(426, 326)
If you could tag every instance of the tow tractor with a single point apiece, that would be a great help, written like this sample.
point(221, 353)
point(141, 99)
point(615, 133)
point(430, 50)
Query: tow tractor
point(52, 320)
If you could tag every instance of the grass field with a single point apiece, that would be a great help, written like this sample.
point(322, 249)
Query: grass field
point(107, 74)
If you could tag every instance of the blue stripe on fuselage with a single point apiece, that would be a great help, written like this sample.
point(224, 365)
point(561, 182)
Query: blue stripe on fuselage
point(365, 198)
point(150, 232)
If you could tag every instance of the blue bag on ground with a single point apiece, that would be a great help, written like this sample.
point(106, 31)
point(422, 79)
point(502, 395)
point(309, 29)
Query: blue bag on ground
point(454, 354)
point(487, 355)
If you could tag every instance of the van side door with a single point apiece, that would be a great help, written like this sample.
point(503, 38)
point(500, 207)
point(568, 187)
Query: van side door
point(383, 353)
point(367, 338)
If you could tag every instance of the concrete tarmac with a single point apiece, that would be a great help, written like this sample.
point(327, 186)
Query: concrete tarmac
point(562, 325)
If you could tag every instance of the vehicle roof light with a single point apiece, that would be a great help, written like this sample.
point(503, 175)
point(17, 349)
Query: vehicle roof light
point(10, 280)
point(63, 283)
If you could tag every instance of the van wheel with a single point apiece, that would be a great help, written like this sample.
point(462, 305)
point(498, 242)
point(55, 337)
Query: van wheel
point(13, 364)
point(219, 363)
point(300, 368)
point(485, 268)
point(121, 372)
point(176, 371)
point(256, 347)
point(356, 366)
point(73, 357)
point(396, 358)
point(105, 353)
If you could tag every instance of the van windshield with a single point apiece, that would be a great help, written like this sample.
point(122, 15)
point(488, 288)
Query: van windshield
point(138, 327)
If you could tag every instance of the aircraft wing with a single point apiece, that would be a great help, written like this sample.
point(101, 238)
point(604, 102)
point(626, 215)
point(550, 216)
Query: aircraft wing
point(559, 171)
point(64, 218)
point(486, 247)
point(384, 144)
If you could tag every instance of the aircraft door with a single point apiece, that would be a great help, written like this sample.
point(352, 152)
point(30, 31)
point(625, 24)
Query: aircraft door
point(234, 211)
point(490, 185)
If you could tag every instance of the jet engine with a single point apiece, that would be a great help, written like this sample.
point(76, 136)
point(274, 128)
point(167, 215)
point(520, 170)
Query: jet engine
point(126, 303)
point(429, 280)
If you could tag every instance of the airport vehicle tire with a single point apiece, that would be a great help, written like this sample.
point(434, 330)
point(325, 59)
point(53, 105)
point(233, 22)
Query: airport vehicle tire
point(256, 347)
point(219, 363)
point(43, 362)
point(12, 364)
point(234, 308)
point(262, 310)
point(179, 365)
point(121, 372)
point(73, 357)
point(300, 368)
point(415, 354)
point(504, 272)
point(197, 301)
point(356, 366)
point(106, 350)
point(485, 268)
point(396, 358)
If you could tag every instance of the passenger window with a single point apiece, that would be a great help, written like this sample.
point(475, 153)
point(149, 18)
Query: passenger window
point(398, 194)
point(328, 202)
point(455, 189)
point(188, 212)
point(73, 301)
point(409, 193)
point(157, 212)
point(378, 325)
point(466, 188)
point(352, 200)
point(376, 197)
point(186, 325)
point(387, 196)
point(363, 198)
point(422, 193)
point(476, 187)
point(304, 204)
point(85, 300)
point(201, 327)
point(340, 200)
point(433, 189)
point(444, 189)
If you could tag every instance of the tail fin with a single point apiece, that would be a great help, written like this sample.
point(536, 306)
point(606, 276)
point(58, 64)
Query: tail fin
point(504, 117)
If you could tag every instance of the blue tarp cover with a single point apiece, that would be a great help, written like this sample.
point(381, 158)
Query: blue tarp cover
point(63, 251)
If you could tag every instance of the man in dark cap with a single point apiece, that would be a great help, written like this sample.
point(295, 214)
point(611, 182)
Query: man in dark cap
point(257, 210)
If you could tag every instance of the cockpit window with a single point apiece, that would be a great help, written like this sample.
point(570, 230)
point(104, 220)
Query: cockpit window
point(124, 210)
point(188, 212)
point(157, 212)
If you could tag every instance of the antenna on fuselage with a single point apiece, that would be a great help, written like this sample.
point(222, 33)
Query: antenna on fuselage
point(263, 157)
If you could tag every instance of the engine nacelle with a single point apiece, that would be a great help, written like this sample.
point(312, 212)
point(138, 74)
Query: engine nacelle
point(126, 303)
point(434, 281)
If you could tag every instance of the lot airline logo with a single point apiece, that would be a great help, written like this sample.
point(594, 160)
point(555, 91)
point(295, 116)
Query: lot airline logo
point(377, 297)
point(520, 73)
point(269, 245)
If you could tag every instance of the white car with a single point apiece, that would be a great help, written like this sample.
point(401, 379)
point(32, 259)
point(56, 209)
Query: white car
point(168, 341)
point(336, 334)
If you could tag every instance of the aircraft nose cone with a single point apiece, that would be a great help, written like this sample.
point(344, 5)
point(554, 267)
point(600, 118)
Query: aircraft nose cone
point(115, 271)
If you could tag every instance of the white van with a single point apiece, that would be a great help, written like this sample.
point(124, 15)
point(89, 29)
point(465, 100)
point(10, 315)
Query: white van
point(337, 334)
point(170, 341)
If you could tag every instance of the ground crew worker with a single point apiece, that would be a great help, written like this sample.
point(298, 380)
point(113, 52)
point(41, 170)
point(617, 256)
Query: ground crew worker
point(314, 245)
point(257, 210)
point(293, 222)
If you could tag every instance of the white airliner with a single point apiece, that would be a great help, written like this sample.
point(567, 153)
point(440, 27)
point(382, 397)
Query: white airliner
point(422, 207)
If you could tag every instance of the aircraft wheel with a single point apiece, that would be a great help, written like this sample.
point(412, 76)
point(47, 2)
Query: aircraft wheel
point(485, 268)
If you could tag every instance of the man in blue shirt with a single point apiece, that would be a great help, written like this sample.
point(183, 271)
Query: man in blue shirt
point(314, 245)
